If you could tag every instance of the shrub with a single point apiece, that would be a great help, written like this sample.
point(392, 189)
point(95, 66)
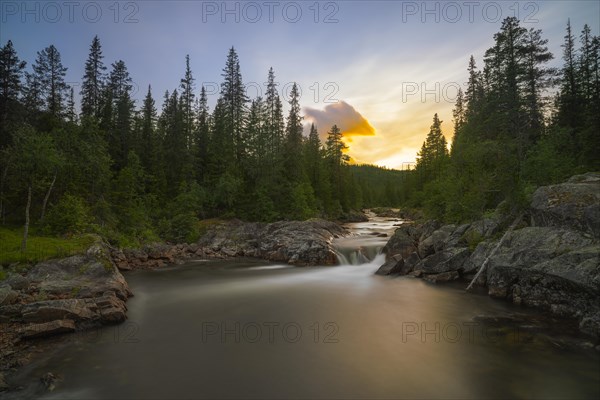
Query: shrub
point(70, 216)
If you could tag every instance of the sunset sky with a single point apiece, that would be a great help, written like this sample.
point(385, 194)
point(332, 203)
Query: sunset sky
point(379, 69)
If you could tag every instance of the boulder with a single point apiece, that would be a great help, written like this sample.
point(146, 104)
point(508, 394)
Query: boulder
point(484, 229)
point(444, 261)
point(80, 276)
point(411, 262)
point(50, 310)
point(16, 282)
point(428, 228)
point(442, 277)
point(436, 241)
point(402, 242)
point(551, 268)
point(32, 331)
point(111, 309)
point(574, 204)
point(293, 242)
point(456, 238)
point(7, 296)
point(392, 266)
point(3, 385)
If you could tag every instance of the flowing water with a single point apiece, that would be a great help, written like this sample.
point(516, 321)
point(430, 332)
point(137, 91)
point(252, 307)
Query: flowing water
point(249, 329)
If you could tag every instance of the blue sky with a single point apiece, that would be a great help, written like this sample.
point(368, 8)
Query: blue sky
point(393, 62)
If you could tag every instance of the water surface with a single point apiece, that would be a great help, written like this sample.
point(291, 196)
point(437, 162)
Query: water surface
point(249, 329)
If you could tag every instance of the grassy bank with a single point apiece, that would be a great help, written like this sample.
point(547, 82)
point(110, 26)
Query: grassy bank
point(39, 247)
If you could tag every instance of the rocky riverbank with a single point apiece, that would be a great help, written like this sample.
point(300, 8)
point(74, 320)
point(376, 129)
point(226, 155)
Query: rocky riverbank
point(549, 261)
point(301, 243)
point(58, 296)
point(88, 290)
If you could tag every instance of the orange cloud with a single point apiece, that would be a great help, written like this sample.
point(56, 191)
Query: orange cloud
point(342, 114)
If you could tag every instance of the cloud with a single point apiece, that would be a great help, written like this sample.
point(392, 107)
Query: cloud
point(342, 114)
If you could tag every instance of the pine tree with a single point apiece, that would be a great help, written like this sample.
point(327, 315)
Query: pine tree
point(32, 95)
point(93, 81)
point(474, 92)
point(274, 117)
point(569, 100)
point(202, 136)
point(187, 102)
point(71, 113)
point(122, 107)
point(434, 152)
point(234, 101)
point(148, 127)
point(293, 140)
point(459, 113)
point(537, 78)
point(254, 139)
point(312, 156)
point(11, 73)
point(50, 74)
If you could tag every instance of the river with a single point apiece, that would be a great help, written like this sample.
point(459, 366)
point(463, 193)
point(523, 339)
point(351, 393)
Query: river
point(250, 329)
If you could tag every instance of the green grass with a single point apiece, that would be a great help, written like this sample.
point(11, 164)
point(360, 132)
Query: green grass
point(39, 248)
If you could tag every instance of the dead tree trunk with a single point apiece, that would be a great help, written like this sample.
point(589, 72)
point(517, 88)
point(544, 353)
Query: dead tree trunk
point(26, 228)
point(45, 203)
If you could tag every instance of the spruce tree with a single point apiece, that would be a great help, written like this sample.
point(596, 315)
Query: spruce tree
point(201, 136)
point(11, 73)
point(187, 102)
point(50, 74)
point(93, 81)
point(234, 98)
point(120, 126)
point(293, 140)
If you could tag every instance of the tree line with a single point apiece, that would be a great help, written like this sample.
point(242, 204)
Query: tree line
point(136, 173)
point(518, 125)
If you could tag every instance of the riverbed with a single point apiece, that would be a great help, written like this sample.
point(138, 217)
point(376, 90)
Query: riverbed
point(250, 329)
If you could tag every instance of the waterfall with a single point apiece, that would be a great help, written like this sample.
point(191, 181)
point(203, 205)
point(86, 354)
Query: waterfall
point(366, 241)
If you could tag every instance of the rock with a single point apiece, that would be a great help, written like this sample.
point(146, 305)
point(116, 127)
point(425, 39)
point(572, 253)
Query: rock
point(428, 228)
point(574, 204)
point(387, 212)
point(293, 242)
point(354, 216)
point(112, 309)
point(392, 266)
point(51, 328)
point(443, 277)
point(456, 238)
point(482, 229)
point(49, 381)
point(410, 263)
point(436, 241)
point(80, 276)
point(50, 310)
point(425, 247)
point(3, 385)
point(10, 313)
point(402, 242)
point(7, 296)
point(555, 269)
point(444, 261)
point(16, 282)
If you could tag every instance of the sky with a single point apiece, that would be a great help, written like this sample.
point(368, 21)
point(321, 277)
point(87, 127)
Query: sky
point(377, 69)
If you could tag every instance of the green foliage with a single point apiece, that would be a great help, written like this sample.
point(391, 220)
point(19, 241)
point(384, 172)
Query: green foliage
point(548, 162)
point(181, 228)
point(40, 248)
point(503, 146)
point(69, 216)
point(472, 238)
point(302, 204)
